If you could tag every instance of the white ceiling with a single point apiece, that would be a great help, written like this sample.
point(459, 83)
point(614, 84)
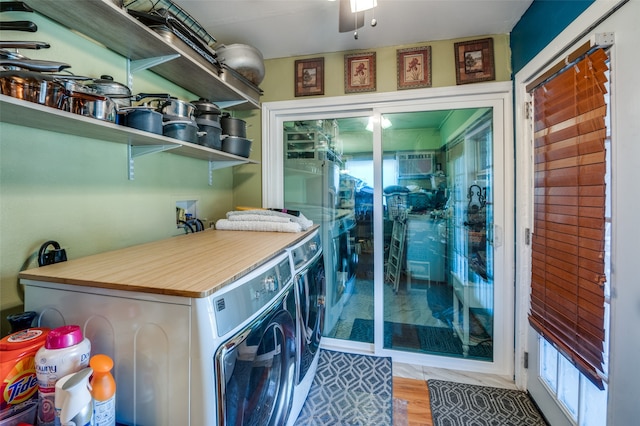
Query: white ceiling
point(284, 28)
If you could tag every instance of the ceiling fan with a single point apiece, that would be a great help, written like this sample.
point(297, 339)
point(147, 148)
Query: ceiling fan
point(351, 16)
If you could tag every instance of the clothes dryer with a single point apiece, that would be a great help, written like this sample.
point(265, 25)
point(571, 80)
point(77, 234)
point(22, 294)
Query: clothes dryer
point(307, 261)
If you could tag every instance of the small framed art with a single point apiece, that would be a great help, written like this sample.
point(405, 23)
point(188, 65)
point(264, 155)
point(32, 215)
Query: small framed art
point(474, 61)
point(414, 67)
point(360, 72)
point(309, 77)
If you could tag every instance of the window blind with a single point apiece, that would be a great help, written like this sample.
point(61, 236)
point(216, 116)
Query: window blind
point(567, 268)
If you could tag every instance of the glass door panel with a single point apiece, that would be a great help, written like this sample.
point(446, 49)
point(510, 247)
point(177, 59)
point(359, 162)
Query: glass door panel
point(438, 272)
point(328, 177)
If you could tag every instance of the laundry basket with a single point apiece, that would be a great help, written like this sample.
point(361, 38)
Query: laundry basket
point(396, 205)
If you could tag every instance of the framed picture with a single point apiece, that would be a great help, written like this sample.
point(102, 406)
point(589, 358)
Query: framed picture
point(309, 77)
point(414, 67)
point(360, 72)
point(474, 61)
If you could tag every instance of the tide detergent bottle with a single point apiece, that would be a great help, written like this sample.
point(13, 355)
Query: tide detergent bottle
point(65, 351)
point(18, 382)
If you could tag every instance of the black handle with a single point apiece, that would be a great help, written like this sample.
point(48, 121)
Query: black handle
point(47, 257)
point(19, 26)
point(14, 6)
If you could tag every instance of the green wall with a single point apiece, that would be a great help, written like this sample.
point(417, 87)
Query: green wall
point(76, 190)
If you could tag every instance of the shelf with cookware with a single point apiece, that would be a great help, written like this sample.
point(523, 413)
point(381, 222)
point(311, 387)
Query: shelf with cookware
point(110, 25)
point(31, 114)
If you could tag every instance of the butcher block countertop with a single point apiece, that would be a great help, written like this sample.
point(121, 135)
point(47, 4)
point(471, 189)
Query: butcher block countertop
point(190, 265)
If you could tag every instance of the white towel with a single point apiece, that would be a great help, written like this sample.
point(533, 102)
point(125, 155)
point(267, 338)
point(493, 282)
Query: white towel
point(233, 225)
point(301, 220)
point(258, 218)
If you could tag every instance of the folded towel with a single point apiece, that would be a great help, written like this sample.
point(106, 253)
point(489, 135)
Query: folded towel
point(233, 225)
point(258, 218)
point(300, 220)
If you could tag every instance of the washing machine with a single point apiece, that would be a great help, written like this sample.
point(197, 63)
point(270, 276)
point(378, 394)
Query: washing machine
point(307, 262)
point(226, 359)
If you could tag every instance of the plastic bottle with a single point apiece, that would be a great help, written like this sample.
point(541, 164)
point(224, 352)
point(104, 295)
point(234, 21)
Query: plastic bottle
point(18, 382)
point(103, 390)
point(74, 405)
point(65, 351)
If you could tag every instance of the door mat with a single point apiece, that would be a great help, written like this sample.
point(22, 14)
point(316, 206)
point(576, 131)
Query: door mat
point(459, 404)
point(431, 340)
point(349, 389)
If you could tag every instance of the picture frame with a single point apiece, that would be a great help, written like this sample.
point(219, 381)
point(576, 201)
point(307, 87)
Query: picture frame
point(474, 61)
point(309, 77)
point(360, 72)
point(414, 67)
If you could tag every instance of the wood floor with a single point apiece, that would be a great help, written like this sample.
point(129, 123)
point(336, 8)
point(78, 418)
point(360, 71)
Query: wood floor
point(416, 393)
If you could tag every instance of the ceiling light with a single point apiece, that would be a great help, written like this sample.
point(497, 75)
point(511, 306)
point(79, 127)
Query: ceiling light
point(386, 123)
point(362, 5)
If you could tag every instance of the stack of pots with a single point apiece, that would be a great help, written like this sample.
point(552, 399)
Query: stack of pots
point(234, 139)
point(138, 117)
point(178, 119)
point(208, 121)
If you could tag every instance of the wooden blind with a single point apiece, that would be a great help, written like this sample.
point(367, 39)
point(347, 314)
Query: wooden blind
point(567, 269)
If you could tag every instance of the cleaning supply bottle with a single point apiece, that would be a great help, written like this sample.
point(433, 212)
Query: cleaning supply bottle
point(103, 390)
point(65, 351)
point(73, 402)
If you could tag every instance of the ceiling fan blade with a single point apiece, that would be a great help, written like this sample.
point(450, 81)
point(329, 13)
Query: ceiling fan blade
point(347, 21)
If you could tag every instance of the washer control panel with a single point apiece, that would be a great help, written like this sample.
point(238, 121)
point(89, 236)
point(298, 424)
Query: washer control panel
point(242, 299)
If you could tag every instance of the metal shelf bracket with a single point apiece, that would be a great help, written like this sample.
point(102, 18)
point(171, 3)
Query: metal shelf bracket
point(133, 66)
point(134, 151)
point(214, 165)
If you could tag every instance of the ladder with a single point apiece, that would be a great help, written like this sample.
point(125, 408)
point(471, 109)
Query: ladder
point(396, 251)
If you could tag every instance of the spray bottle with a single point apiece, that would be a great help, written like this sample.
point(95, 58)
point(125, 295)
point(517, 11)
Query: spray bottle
point(73, 402)
point(103, 390)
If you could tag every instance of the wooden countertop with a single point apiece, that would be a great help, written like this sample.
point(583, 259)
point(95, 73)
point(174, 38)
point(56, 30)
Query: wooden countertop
point(190, 265)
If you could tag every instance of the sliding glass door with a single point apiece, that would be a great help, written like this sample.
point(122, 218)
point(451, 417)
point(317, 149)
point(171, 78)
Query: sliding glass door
point(410, 200)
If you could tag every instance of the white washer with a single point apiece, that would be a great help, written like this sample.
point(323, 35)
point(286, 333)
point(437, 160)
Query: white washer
point(229, 358)
point(309, 281)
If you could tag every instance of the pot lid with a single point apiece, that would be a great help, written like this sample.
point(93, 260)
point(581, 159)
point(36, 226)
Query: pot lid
point(205, 106)
point(107, 86)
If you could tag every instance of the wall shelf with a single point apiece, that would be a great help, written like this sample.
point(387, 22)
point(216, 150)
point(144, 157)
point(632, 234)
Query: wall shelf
point(29, 114)
point(113, 27)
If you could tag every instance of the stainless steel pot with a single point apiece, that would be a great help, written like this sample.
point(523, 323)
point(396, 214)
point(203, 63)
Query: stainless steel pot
point(174, 109)
point(118, 92)
point(236, 146)
point(207, 110)
point(245, 59)
point(90, 105)
point(32, 86)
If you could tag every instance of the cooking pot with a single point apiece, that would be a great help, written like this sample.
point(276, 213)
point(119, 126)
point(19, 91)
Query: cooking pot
point(142, 118)
point(174, 109)
point(117, 92)
point(237, 146)
point(211, 132)
point(32, 86)
point(207, 110)
point(245, 59)
point(90, 105)
point(183, 130)
point(233, 126)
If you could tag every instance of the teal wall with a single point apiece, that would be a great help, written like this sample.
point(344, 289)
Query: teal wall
point(540, 24)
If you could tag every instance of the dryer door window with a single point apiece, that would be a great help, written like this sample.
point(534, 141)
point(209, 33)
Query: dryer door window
point(258, 369)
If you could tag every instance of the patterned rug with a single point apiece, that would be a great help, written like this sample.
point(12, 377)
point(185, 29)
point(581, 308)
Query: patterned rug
point(349, 389)
point(458, 404)
point(432, 340)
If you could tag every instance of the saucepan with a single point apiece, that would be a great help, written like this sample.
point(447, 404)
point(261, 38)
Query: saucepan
point(32, 86)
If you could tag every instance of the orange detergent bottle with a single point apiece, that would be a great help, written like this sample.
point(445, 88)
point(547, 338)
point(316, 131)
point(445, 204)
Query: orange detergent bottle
point(103, 391)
